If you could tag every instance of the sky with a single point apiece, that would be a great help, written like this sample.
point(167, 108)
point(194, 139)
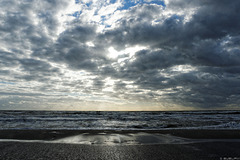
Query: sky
point(119, 55)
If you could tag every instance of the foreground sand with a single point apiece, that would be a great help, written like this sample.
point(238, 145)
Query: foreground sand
point(186, 144)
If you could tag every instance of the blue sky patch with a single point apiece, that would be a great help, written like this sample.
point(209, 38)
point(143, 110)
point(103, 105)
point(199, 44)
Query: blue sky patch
point(76, 14)
point(128, 4)
point(113, 1)
point(11, 83)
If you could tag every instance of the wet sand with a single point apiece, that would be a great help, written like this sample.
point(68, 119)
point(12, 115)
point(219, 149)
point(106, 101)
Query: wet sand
point(185, 144)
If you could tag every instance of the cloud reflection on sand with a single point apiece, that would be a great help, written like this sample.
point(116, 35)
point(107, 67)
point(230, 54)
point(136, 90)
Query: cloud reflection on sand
point(114, 139)
point(140, 138)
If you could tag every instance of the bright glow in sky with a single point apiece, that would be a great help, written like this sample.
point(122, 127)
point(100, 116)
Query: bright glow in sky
point(127, 51)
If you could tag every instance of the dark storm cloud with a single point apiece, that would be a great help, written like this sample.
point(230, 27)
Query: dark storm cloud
point(209, 40)
point(148, 60)
point(135, 29)
point(207, 89)
point(72, 49)
point(213, 20)
point(26, 28)
point(36, 70)
point(31, 69)
point(13, 21)
point(79, 58)
point(28, 21)
point(33, 65)
point(8, 59)
point(206, 23)
point(78, 33)
point(216, 53)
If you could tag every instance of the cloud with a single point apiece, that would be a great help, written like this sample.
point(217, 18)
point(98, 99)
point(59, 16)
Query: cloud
point(143, 53)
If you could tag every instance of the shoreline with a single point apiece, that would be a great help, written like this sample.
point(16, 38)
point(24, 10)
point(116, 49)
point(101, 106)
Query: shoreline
point(56, 134)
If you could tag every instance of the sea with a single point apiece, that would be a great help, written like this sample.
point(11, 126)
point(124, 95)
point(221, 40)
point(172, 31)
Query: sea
point(107, 120)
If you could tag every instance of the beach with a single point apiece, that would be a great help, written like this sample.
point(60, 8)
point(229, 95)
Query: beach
point(120, 144)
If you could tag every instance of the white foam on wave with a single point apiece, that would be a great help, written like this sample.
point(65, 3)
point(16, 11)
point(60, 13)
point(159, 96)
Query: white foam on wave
point(229, 125)
point(122, 139)
point(113, 139)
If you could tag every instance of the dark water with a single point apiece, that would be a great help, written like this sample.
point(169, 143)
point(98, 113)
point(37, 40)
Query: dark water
point(119, 120)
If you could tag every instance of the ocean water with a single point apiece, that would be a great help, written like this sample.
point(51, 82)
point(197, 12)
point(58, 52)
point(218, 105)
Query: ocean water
point(74, 120)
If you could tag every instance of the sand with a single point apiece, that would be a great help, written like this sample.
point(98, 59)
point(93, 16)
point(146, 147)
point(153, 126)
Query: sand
point(165, 144)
